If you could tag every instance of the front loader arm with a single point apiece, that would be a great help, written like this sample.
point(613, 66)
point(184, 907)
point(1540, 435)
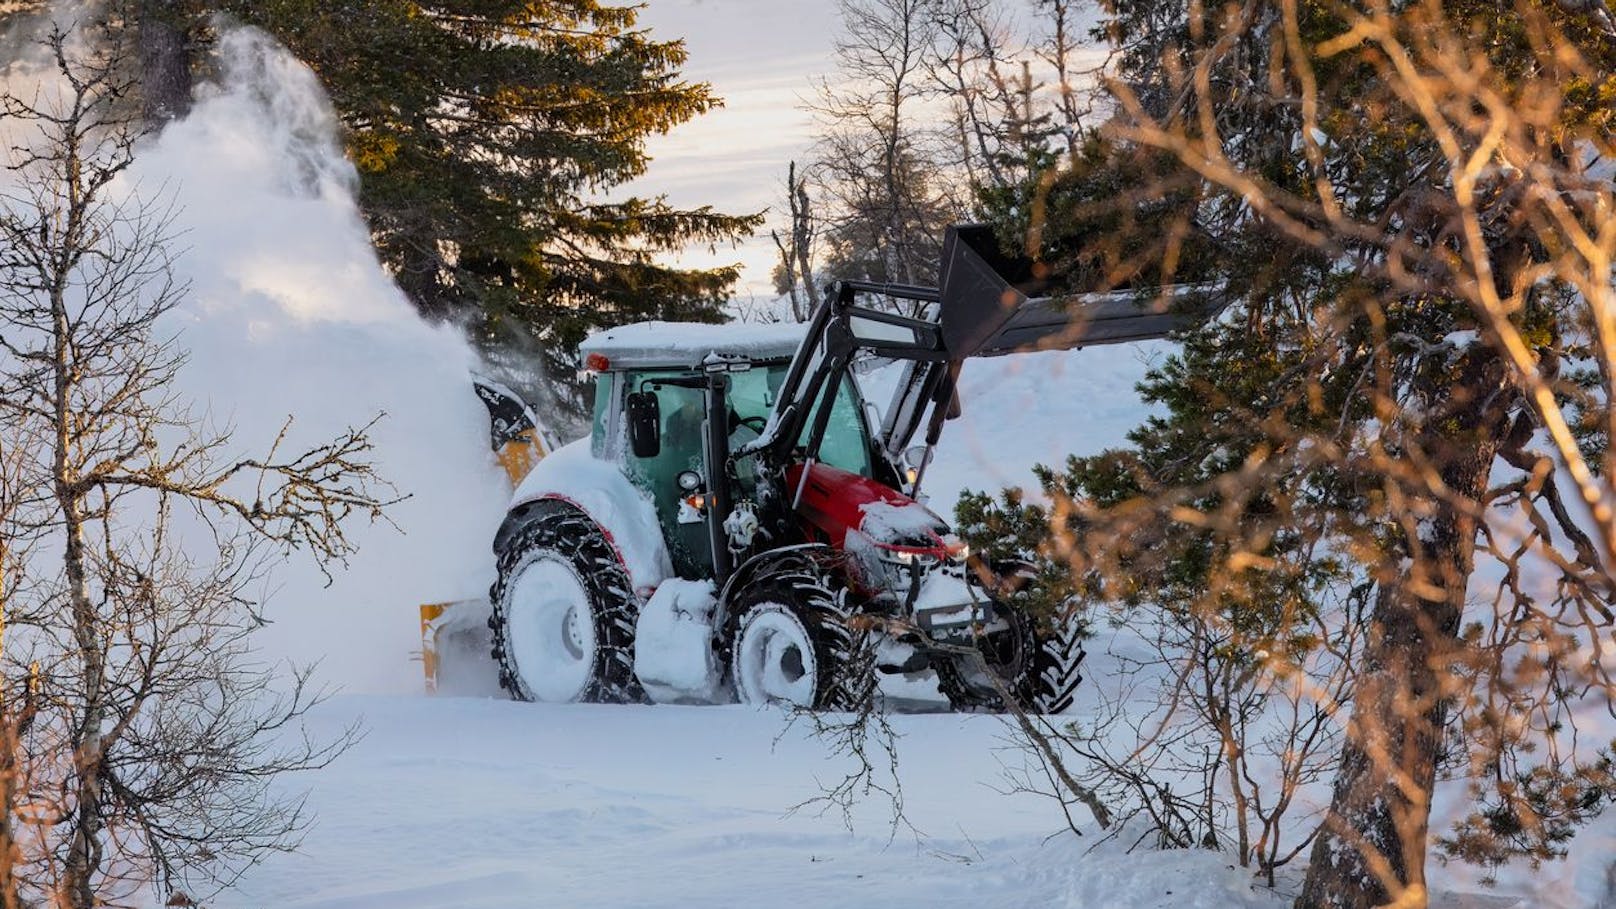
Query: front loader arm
point(987, 304)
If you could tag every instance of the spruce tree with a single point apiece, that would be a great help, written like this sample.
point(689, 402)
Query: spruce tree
point(488, 134)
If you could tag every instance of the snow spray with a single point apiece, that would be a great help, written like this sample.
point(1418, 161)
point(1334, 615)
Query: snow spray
point(291, 315)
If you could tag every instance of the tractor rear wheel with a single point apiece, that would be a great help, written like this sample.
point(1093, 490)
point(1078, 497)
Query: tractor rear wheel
point(793, 642)
point(564, 612)
point(1037, 666)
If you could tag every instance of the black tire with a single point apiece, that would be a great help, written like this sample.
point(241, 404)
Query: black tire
point(563, 542)
point(1038, 666)
point(831, 643)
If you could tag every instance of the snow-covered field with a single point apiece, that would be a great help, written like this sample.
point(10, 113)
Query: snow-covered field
point(485, 803)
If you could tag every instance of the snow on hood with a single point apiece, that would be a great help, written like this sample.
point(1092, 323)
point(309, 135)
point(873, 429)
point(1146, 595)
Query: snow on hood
point(890, 522)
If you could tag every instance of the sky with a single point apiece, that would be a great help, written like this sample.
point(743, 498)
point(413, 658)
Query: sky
point(766, 59)
point(763, 58)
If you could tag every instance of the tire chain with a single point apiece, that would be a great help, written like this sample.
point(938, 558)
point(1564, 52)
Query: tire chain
point(582, 543)
point(834, 624)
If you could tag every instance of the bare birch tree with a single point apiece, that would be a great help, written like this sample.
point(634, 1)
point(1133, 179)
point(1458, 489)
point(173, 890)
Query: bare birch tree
point(796, 265)
point(887, 206)
point(155, 734)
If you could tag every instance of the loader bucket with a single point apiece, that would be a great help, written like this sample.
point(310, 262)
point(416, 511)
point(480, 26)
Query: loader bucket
point(993, 304)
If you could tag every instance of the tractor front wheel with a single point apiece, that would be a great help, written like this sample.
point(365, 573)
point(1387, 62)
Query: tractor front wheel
point(1036, 666)
point(794, 644)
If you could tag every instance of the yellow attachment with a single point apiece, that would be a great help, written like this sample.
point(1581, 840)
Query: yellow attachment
point(431, 612)
point(520, 454)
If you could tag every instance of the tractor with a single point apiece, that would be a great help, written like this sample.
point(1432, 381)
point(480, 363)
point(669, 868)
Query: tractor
point(736, 489)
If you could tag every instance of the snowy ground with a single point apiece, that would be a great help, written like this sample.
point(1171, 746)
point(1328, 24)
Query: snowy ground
point(485, 803)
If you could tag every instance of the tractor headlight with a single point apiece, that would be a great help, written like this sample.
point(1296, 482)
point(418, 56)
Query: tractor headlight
point(903, 569)
point(908, 558)
point(689, 480)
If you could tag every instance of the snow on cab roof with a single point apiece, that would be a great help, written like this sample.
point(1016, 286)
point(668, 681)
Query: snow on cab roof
point(687, 344)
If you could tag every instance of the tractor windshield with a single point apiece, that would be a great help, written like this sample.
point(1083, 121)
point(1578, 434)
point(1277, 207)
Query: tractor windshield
point(847, 437)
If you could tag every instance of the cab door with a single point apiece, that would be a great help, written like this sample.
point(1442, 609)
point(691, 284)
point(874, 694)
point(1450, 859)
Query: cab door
point(682, 411)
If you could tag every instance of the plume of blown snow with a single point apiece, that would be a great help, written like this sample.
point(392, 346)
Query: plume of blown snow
point(291, 315)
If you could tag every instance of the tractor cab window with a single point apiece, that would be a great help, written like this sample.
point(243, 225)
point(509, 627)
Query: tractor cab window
point(847, 438)
point(602, 411)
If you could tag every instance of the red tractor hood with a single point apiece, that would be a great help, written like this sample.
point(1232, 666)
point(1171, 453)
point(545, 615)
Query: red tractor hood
point(837, 501)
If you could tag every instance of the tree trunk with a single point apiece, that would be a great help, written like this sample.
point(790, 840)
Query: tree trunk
point(83, 860)
point(165, 60)
point(84, 849)
point(1371, 851)
point(10, 855)
point(802, 232)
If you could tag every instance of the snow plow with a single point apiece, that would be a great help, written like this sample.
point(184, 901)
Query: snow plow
point(736, 527)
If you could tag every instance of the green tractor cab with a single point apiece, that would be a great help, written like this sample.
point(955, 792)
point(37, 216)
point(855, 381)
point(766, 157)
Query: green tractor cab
point(650, 410)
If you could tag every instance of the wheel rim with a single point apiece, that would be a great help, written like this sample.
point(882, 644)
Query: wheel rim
point(1007, 655)
point(550, 629)
point(774, 659)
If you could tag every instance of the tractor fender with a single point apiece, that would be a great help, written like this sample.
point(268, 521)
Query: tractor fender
point(574, 476)
point(760, 565)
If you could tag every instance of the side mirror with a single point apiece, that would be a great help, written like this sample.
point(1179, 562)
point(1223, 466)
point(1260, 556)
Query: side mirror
point(644, 424)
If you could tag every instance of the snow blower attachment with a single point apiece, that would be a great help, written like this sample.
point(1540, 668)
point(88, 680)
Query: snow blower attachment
point(735, 526)
point(517, 440)
point(455, 635)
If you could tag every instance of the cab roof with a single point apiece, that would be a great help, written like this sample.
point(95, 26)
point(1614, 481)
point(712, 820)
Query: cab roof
point(649, 345)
